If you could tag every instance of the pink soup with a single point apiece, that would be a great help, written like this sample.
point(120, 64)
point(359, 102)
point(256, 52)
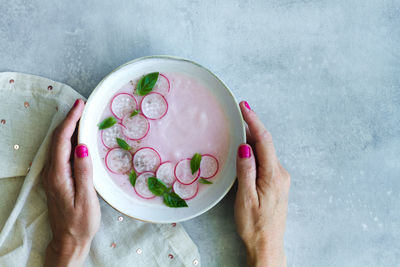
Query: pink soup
point(164, 129)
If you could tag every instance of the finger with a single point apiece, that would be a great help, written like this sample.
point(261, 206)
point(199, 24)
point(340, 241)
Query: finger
point(249, 138)
point(74, 143)
point(264, 147)
point(61, 145)
point(83, 173)
point(246, 172)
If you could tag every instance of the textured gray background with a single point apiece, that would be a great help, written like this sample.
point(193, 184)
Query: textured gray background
point(323, 75)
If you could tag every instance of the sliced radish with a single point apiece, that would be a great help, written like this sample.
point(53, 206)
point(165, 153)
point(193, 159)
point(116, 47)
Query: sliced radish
point(208, 166)
point(123, 104)
point(136, 127)
point(186, 192)
point(166, 173)
point(118, 161)
point(154, 106)
point(109, 135)
point(162, 85)
point(183, 172)
point(141, 186)
point(146, 159)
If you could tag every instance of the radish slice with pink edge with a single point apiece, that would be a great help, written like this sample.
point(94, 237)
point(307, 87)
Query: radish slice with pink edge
point(123, 104)
point(154, 106)
point(109, 135)
point(186, 192)
point(146, 159)
point(136, 127)
point(142, 187)
point(208, 166)
point(183, 172)
point(162, 85)
point(166, 173)
point(118, 161)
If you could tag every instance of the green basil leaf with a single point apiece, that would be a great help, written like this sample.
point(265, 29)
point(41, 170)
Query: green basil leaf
point(146, 84)
point(172, 200)
point(204, 181)
point(132, 178)
point(157, 187)
point(107, 123)
point(195, 162)
point(134, 113)
point(123, 144)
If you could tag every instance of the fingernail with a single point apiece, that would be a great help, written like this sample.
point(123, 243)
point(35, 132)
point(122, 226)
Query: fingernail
point(247, 105)
point(244, 151)
point(81, 151)
point(76, 102)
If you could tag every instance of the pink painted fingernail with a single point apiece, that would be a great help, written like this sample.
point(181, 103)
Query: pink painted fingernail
point(76, 102)
point(244, 151)
point(81, 151)
point(247, 105)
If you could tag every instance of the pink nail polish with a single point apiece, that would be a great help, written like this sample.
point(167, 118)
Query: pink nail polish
point(247, 105)
point(81, 151)
point(244, 151)
point(76, 102)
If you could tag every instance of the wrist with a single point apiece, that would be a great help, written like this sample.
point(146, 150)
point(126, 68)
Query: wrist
point(263, 254)
point(66, 253)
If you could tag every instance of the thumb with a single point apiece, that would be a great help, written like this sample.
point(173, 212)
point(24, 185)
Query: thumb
point(83, 173)
point(246, 172)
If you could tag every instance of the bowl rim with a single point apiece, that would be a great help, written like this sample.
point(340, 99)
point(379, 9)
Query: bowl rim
point(168, 57)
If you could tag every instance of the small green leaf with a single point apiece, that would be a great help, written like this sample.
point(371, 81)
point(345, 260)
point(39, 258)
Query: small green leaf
point(157, 187)
point(195, 162)
point(132, 178)
point(204, 181)
point(172, 200)
point(134, 113)
point(122, 144)
point(146, 84)
point(107, 123)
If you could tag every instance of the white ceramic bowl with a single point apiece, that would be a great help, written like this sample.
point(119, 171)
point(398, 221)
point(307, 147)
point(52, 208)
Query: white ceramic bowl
point(104, 185)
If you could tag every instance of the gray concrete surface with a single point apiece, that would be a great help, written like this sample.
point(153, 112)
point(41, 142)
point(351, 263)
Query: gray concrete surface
point(323, 75)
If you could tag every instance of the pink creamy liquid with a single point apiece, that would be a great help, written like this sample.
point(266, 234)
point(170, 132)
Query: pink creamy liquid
point(195, 123)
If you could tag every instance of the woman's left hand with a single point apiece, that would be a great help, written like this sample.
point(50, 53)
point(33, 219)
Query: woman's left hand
point(74, 210)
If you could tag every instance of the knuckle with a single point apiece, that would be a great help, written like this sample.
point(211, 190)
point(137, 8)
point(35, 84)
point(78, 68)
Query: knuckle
point(264, 136)
point(267, 137)
point(58, 141)
point(56, 132)
point(57, 136)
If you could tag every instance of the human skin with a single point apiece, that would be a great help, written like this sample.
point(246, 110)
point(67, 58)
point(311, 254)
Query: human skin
point(73, 205)
point(74, 212)
point(262, 195)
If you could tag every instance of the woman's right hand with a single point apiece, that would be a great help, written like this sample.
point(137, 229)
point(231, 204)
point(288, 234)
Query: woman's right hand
point(262, 195)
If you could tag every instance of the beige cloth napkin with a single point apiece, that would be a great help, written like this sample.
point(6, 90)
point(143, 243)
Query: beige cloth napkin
point(30, 107)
